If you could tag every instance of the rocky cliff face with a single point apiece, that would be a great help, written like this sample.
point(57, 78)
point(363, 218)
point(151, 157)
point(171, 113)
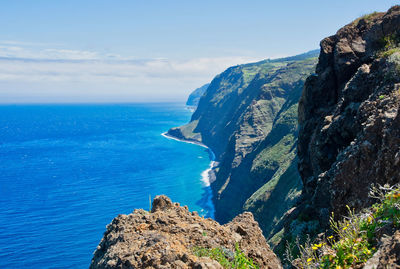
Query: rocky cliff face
point(248, 117)
point(194, 97)
point(349, 132)
point(167, 237)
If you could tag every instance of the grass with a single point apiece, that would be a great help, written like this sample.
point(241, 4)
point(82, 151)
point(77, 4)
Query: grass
point(390, 45)
point(389, 52)
point(354, 239)
point(226, 258)
point(366, 17)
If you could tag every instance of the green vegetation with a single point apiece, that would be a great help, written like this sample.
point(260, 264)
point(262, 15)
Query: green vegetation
point(354, 239)
point(390, 45)
point(226, 258)
point(367, 17)
point(389, 52)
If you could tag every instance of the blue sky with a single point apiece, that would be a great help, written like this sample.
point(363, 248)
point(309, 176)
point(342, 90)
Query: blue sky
point(135, 51)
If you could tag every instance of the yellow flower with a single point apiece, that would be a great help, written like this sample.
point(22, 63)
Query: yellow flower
point(309, 259)
point(345, 228)
point(330, 237)
point(396, 195)
point(316, 246)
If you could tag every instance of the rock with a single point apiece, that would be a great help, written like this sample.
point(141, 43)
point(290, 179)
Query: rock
point(166, 237)
point(387, 255)
point(161, 202)
point(349, 131)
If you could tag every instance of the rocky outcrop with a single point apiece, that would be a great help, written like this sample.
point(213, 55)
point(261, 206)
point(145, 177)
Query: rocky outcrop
point(349, 133)
point(388, 254)
point(195, 96)
point(167, 236)
point(349, 123)
point(248, 117)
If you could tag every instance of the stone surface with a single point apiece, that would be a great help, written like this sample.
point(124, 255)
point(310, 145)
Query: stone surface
point(387, 255)
point(349, 133)
point(165, 238)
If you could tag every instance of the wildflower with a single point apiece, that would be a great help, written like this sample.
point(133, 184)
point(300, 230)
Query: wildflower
point(316, 246)
point(396, 195)
point(309, 261)
point(345, 228)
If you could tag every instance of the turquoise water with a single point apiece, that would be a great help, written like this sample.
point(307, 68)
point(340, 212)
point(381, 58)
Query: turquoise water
point(67, 170)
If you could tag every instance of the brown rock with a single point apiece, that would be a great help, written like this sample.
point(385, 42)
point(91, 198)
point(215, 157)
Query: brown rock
point(161, 202)
point(165, 238)
point(387, 255)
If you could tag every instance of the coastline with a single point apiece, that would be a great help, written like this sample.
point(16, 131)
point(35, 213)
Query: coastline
point(208, 175)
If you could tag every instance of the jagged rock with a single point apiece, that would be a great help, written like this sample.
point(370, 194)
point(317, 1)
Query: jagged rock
point(165, 238)
point(349, 133)
point(387, 255)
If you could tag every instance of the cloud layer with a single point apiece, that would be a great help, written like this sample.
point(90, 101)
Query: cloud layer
point(32, 72)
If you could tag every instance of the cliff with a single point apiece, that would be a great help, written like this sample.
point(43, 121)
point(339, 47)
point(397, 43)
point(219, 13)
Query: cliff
point(194, 97)
point(248, 117)
point(348, 141)
point(172, 237)
point(349, 133)
point(349, 123)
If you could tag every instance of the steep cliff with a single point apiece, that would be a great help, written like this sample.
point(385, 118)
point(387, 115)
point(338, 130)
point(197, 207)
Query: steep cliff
point(349, 135)
point(172, 237)
point(349, 123)
point(248, 117)
point(195, 96)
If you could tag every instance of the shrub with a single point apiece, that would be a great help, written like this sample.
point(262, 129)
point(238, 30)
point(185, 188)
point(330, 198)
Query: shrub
point(226, 258)
point(354, 238)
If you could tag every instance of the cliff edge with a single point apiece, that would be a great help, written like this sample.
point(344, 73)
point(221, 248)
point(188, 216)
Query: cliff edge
point(171, 237)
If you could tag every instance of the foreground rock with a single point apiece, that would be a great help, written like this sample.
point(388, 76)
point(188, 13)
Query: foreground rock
point(165, 238)
point(388, 254)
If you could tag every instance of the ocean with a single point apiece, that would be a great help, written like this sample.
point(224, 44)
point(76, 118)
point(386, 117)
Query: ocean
point(67, 170)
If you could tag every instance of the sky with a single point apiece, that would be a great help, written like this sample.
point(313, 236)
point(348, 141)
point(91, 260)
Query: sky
point(151, 51)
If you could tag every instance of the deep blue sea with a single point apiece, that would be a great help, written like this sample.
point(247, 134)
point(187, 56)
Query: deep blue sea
point(67, 170)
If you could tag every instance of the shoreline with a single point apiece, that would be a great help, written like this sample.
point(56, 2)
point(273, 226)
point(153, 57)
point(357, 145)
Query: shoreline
point(208, 175)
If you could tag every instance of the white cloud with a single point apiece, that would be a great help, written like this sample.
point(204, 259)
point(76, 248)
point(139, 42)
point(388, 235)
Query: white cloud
point(40, 72)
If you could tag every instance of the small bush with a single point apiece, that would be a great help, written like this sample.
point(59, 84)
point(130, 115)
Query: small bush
point(354, 238)
point(226, 258)
point(389, 45)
